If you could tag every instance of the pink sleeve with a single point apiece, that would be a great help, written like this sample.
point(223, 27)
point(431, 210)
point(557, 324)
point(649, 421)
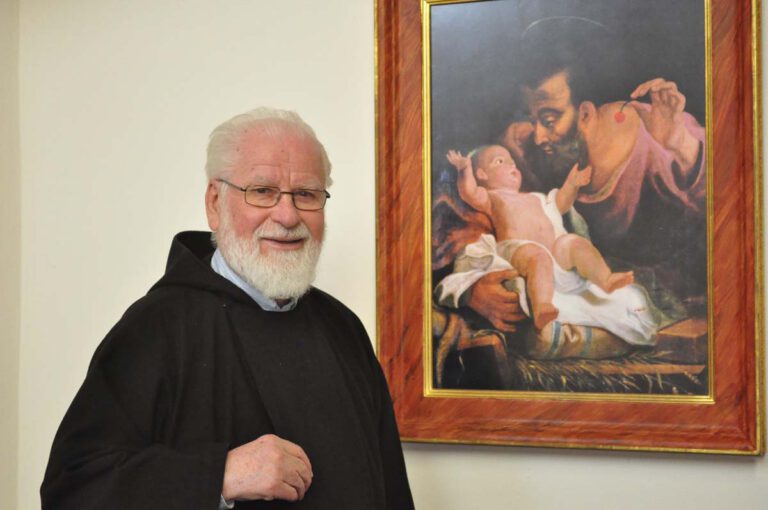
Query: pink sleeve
point(670, 181)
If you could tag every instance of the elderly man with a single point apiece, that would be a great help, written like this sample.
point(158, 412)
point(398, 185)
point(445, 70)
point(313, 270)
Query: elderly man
point(233, 381)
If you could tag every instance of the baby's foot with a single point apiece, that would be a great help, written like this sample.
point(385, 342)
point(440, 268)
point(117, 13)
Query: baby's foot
point(543, 314)
point(619, 280)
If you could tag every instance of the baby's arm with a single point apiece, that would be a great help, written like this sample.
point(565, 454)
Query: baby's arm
point(474, 195)
point(567, 194)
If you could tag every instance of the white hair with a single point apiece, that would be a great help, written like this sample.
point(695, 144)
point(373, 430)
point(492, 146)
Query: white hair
point(222, 143)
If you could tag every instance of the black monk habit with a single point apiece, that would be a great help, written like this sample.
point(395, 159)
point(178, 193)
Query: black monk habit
point(195, 368)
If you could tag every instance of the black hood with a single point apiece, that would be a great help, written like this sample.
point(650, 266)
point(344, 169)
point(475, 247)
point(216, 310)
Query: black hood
point(189, 265)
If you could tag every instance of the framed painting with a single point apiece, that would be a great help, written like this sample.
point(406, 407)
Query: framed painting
point(569, 237)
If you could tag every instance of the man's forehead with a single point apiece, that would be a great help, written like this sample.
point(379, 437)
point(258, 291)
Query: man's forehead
point(270, 152)
point(552, 90)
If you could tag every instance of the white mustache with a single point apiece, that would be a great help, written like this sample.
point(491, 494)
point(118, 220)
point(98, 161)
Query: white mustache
point(273, 230)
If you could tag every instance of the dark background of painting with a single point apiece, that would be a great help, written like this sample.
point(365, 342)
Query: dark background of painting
point(474, 44)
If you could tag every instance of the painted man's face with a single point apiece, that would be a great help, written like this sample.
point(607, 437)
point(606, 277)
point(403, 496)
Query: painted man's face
point(551, 111)
point(555, 135)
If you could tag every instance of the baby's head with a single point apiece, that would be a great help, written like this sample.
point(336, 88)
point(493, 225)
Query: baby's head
point(495, 168)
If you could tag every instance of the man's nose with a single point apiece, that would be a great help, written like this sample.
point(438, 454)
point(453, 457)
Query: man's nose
point(284, 212)
point(540, 134)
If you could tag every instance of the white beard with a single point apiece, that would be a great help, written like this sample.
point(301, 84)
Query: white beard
point(276, 274)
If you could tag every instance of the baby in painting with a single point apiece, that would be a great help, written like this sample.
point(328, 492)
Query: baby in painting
point(529, 229)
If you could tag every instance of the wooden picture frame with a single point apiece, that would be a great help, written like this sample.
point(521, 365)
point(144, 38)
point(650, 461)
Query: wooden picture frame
point(725, 417)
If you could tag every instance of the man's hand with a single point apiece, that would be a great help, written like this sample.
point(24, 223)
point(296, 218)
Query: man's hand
point(267, 468)
point(663, 119)
point(458, 161)
point(489, 298)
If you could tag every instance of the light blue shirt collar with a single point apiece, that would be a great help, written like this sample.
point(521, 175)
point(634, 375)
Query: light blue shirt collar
point(220, 265)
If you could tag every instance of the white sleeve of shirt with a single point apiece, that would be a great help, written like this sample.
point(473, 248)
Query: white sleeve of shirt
point(224, 504)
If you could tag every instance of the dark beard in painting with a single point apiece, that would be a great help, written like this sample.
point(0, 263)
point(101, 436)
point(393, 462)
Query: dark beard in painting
point(552, 169)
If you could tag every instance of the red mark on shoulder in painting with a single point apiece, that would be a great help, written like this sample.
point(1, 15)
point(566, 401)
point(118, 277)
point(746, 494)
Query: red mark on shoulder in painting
point(620, 116)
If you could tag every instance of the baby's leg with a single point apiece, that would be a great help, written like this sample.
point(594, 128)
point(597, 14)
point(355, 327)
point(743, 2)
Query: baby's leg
point(573, 251)
point(535, 264)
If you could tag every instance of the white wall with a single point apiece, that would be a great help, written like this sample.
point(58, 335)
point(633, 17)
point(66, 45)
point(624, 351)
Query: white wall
point(10, 250)
point(116, 101)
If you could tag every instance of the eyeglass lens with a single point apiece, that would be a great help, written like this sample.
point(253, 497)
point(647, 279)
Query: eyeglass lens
point(306, 199)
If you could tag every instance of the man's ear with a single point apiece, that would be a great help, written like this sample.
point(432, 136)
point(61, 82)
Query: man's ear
point(212, 205)
point(587, 113)
point(481, 175)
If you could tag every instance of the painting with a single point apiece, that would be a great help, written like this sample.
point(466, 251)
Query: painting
point(566, 175)
point(590, 263)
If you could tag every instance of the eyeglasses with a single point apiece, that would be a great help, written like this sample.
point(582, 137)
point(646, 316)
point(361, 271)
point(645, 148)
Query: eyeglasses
point(269, 196)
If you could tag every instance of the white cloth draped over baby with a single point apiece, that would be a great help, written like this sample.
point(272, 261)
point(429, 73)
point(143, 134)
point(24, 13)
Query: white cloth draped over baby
point(625, 312)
